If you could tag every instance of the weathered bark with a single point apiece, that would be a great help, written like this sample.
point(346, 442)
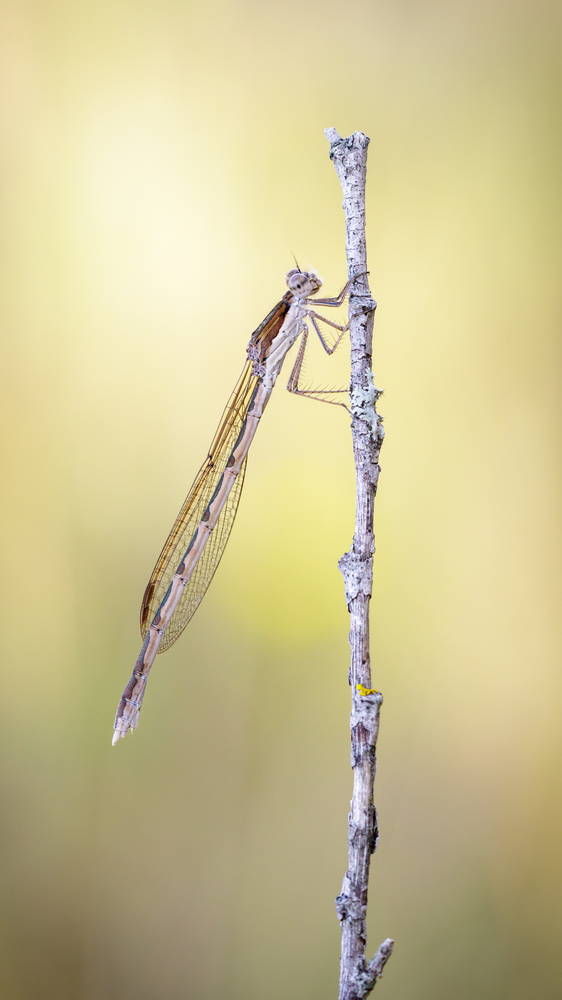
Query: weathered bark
point(357, 977)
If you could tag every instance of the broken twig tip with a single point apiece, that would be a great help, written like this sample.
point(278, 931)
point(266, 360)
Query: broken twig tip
point(332, 135)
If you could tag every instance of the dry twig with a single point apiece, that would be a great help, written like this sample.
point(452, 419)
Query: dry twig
point(357, 977)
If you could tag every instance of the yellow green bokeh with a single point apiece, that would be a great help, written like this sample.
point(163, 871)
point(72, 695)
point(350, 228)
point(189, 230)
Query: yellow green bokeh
point(161, 161)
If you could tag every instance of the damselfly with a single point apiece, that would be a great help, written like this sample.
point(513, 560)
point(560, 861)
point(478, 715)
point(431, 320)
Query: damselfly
point(197, 540)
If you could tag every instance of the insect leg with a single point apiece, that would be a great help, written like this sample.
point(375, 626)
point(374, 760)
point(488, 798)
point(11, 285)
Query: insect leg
point(294, 386)
point(314, 316)
point(337, 300)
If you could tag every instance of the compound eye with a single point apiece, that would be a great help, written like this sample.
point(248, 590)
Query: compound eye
point(296, 281)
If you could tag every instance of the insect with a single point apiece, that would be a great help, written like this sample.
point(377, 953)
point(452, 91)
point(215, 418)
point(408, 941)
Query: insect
point(194, 547)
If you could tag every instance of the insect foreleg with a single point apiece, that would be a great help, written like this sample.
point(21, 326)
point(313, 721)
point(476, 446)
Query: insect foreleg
point(336, 300)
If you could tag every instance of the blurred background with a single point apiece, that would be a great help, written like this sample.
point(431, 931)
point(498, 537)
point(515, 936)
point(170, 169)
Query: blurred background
point(161, 160)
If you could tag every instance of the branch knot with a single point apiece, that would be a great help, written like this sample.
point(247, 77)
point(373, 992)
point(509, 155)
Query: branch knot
point(357, 573)
point(348, 908)
point(366, 713)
